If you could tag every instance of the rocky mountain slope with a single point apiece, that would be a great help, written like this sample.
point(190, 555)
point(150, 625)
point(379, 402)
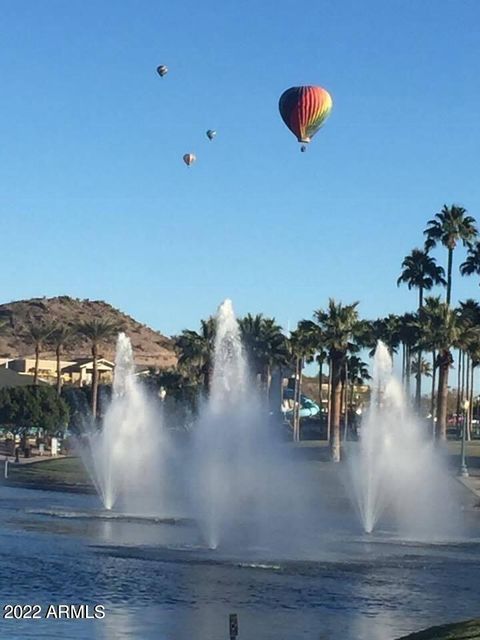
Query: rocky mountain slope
point(150, 347)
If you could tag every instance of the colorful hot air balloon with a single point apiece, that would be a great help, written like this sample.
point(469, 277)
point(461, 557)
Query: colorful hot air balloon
point(304, 110)
point(162, 70)
point(211, 134)
point(189, 158)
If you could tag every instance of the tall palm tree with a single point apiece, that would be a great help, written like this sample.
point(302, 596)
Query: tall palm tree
point(38, 333)
point(195, 351)
point(97, 332)
point(59, 337)
point(449, 227)
point(420, 271)
point(338, 324)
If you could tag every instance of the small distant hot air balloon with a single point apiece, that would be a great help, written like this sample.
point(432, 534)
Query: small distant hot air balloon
point(189, 158)
point(211, 134)
point(304, 110)
point(162, 70)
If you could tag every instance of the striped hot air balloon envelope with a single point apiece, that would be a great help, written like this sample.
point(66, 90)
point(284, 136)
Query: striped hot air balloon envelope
point(304, 110)
point(162, 70)
point(189, 158)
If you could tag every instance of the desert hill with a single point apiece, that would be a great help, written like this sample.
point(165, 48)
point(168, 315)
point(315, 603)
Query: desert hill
point(150, 347)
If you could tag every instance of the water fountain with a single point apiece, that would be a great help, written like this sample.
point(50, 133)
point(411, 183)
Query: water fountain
point(397, 471)
point(225, 435)
point(126, 457)
point(242, 482)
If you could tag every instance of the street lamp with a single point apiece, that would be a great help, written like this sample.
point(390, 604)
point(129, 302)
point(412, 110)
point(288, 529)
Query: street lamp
point(463, 471)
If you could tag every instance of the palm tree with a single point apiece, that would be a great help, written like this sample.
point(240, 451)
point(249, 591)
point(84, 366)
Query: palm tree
point(385, 329)
point(274, 349)
point(265, 344)
point(441, 331)
point(449, 227)
point(251, 330)
point(59, 337)
point(474, 354)
point(430, 309)
point(338, 324)
point(38, 333)
point(420, 271)
point(472, 261)
point(357, 374)
point(97, 332)
point(321, 358)
point(195, 351)
point(468, 315)
point(409, 334)
point(421, 365)
point(303, 345)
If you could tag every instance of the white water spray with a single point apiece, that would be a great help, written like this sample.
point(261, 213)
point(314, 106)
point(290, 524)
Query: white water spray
point(397, 472)
point(125, 458)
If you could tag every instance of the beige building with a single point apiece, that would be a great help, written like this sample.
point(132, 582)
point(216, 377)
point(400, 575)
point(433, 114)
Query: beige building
point(80, 372)
point(77, 372)
point(47, 369)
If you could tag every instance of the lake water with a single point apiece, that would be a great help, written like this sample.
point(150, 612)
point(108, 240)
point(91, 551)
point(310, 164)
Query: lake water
point(156, 580)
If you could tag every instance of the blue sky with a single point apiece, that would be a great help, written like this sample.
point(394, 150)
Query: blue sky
point(96, 202)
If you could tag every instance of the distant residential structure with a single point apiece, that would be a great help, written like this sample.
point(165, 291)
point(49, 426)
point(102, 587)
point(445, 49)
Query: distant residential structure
point(77, 372)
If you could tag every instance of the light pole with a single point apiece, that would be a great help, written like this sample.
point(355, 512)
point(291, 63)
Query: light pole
point(463, 471)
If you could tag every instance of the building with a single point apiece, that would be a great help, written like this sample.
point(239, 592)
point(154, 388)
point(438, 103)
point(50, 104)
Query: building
point(47, 369)
point(80, 372)
point(76, 371)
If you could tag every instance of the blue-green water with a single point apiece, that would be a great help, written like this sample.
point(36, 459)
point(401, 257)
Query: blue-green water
point(157, 581)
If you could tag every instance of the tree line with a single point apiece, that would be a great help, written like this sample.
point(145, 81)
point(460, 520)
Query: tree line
point(336, 335)
point(56, 336)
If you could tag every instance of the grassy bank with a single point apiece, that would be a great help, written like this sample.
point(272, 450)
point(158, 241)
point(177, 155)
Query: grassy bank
point(67, 474)
point(469, 630)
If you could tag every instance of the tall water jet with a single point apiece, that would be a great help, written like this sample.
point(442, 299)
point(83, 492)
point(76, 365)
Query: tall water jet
point(126, 456)
point(396, 470)
point(246, 493)
point(222, 440)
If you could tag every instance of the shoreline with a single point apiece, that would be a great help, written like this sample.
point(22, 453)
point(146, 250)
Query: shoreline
point(466, 630)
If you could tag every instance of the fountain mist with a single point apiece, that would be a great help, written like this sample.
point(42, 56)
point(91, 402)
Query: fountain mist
point(126, 457)
point(243, 490)
point(396, 470)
